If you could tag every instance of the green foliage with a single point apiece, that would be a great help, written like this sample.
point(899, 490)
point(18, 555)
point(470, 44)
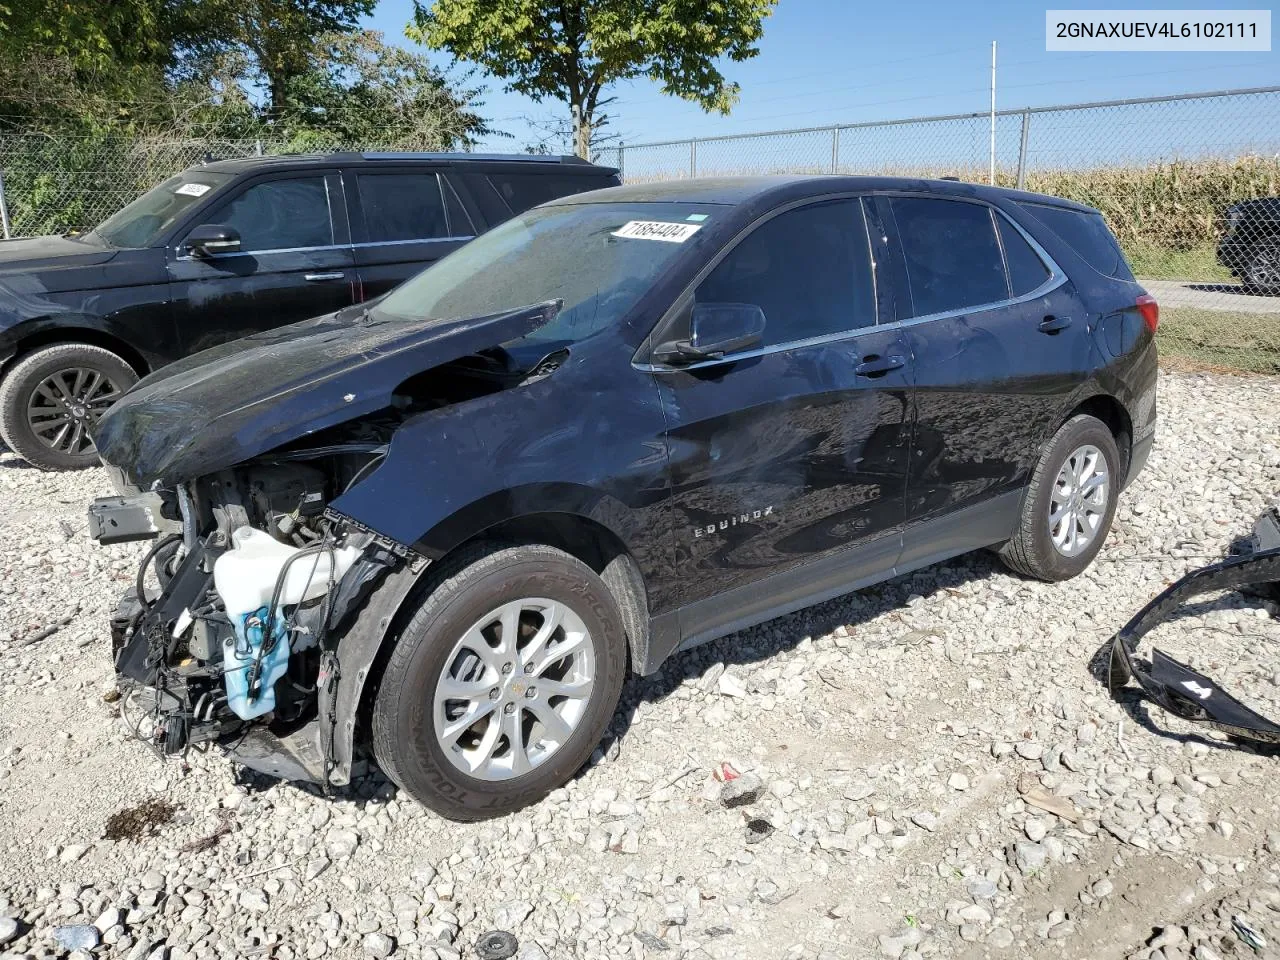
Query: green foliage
point(277, 38)
point(572, 50)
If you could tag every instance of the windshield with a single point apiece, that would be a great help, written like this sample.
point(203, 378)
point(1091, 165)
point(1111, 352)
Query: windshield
point(143, 220)
point(599, 258)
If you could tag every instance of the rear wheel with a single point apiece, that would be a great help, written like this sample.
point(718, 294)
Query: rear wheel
point(501, 683)
point(1262, 273)
point(1069, 503)
point(51, 400)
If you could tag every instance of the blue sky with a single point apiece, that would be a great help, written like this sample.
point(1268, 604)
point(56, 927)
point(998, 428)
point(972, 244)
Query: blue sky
point(826, 61)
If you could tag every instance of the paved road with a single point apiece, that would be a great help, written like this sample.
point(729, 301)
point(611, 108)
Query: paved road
point(1209, 296)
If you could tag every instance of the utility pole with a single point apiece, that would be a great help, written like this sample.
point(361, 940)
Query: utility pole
point(992, 175)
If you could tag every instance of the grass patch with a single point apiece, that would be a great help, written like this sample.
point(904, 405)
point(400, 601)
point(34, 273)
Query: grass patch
point(1152, 262)
point(1220, 339)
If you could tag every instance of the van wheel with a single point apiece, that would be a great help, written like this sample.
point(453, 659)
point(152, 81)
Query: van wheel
point(501, 683)
point(51, 400)
point(1262, 273)
point(1069, 503)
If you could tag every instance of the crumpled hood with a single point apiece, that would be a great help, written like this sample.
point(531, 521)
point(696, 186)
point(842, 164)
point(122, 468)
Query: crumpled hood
point(225, 405)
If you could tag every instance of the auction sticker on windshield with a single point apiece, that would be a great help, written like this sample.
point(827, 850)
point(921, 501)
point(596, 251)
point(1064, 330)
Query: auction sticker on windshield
point(657, 230)
point(193, 189)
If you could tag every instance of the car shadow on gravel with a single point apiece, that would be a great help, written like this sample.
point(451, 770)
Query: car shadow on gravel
point(765, 641)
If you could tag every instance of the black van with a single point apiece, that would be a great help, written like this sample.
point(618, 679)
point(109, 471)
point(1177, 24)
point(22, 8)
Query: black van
point(228, 249)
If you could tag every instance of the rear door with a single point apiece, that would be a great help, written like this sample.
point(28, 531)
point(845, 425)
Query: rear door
point(294, 262)
point(790, 459)
point(403, 219)
point(1000, 344)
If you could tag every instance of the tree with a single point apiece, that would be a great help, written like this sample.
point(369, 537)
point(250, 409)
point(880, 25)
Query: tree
point(359, 90)
point(571, 50)
point(279, 37)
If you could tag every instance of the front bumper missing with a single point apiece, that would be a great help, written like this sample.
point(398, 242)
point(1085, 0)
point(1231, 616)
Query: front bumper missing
point(1175, 686)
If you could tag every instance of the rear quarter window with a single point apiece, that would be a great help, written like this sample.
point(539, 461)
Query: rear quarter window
point(1087, 234)
point(520, 191)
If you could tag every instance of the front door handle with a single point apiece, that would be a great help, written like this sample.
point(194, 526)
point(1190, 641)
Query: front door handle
point(877, 366)
point(1052, 324)
point(313, 277)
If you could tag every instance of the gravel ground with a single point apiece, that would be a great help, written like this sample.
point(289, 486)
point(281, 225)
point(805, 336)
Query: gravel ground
point(930, 768)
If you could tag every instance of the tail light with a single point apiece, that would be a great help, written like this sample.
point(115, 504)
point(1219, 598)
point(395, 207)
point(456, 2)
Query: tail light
point(1150, 311)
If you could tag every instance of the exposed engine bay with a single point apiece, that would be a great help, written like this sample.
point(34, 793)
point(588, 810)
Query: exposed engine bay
point(232, 634)
point(227, 637)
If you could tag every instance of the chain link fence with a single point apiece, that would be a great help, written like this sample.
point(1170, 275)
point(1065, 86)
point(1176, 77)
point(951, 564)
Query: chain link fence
point(1188, 183)
point(58, 184)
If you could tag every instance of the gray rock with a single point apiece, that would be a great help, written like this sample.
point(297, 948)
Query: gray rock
point(509, 915)
point(378, 945)
point(1029, 857)
point(8, 930)
point(77, 936)
point(153, 880)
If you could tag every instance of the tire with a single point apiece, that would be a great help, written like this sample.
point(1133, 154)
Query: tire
point(92, 376)
point(1262, 273)
point(411, 723)
point(1048, 551)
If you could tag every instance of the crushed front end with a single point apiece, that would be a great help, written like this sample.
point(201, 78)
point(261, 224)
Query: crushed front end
point(227, 637)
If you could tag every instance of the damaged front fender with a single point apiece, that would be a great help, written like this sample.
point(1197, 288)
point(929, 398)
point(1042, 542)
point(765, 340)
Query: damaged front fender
point(239, 400)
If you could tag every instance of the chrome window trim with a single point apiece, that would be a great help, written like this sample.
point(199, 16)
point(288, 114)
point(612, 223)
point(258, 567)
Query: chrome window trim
point(245, 253)
point(396, 243)
point(1055, 280)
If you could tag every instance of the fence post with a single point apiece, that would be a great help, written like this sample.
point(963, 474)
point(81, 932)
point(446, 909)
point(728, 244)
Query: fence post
point(835, 149)
point(4, 209)
point(257, 147)
point(693, 158)
point(1022, 149)
point(622, 149)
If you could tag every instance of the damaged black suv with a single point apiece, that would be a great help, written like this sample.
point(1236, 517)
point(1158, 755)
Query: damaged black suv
point(439, 529)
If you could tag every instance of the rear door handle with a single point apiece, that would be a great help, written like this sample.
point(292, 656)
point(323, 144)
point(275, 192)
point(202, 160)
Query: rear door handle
point(877, 366)
point(1052, 324)
point(313, 277)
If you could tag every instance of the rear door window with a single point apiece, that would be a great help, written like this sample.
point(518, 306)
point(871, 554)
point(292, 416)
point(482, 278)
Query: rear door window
point(520, 191)
point(1086, 233)
point(403, 206)
point(280, 215)
point(1026, 270)
point(808, 269)
point(952, 254)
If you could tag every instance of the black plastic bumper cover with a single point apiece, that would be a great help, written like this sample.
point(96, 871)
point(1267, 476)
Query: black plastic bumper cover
point(1175, 686)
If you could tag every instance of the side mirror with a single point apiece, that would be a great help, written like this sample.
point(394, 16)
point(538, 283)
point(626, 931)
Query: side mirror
point(211, 238)
point(716, 330)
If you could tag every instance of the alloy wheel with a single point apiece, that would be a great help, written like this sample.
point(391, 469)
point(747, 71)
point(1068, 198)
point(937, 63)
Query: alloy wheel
point(1264, 268)
point(514, 689)
point(65, 406)
point(1078, 504)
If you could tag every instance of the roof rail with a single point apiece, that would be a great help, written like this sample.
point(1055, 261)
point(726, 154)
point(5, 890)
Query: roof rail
point(504, 157)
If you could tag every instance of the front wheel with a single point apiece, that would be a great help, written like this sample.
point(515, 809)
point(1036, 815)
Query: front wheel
point(1068, 504)
point(51, 400)
point(501, 683)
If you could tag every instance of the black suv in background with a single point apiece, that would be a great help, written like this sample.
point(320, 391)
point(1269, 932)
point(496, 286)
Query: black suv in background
point(441, 530)
point(228, 249)
point(1250, 244)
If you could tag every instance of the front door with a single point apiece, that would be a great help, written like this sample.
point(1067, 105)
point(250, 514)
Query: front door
point(294, 262)
point(789, 460)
